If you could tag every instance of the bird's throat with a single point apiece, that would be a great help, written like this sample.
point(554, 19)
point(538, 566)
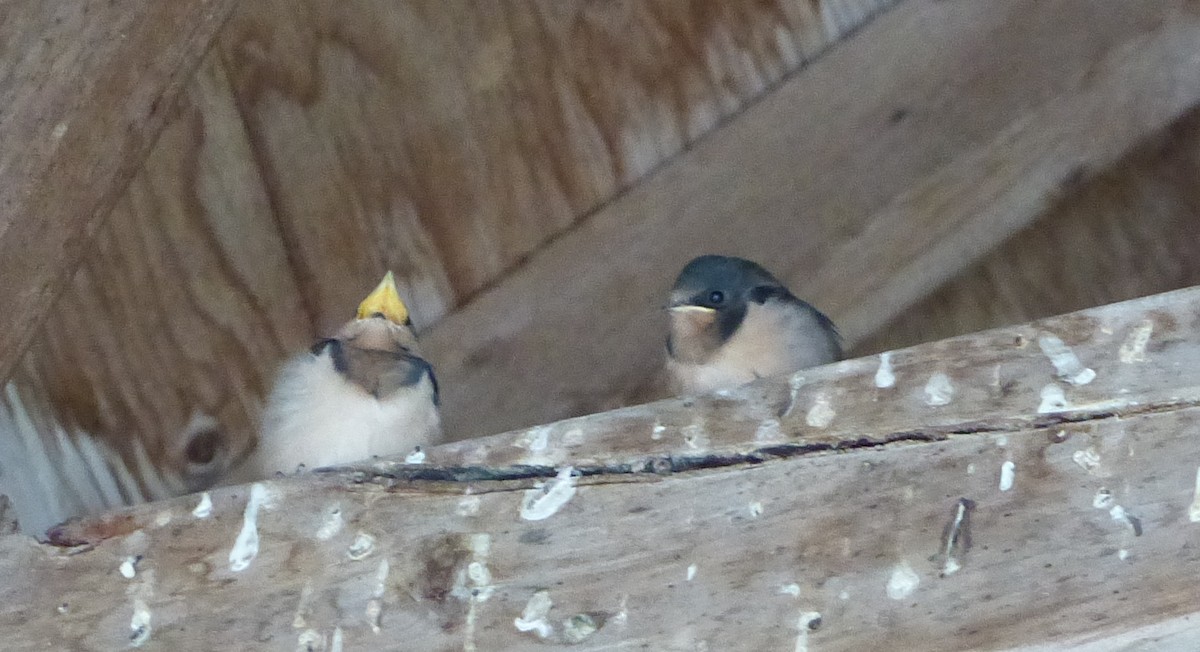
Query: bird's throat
point(695, 335)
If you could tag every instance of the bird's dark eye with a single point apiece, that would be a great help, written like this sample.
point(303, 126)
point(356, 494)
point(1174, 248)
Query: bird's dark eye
point(716, 297)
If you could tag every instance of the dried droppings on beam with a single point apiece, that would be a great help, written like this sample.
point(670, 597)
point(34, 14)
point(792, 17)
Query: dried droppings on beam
point(1194, 508)
point(849, 536)
point(956, 538)
point(245, 547)
point(542, 502)
point(1133, 349)
point(903, 581)
point(868, 518)
point(885, 377)
point(203, 508)
point(1065, 362)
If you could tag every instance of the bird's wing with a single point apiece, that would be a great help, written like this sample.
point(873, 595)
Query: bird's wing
point(764, 293)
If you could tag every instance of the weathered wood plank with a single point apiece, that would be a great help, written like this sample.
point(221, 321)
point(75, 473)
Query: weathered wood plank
point(321, 143)
point(1111, 238)
point(978, 200)
point(914, 171)
point(84, 90)
point(170, 326)
point(1084, 542)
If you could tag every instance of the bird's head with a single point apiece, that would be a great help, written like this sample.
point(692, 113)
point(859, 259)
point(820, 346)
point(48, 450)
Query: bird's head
point(711, 294)
point(382, 321)
point(377, 350)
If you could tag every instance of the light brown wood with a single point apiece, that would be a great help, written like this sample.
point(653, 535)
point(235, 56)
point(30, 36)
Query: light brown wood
point(181, 305)
point(934, 229)
point(734, 525)
point(320, 143)
point(84, 90)
point(450, 140)
point(863, 181)
point(1120, 235)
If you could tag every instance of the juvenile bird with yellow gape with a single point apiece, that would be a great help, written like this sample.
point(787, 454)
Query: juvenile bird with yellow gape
point(366, 391)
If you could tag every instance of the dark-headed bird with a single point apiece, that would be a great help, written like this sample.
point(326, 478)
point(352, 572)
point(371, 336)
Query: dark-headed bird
point(733, 322)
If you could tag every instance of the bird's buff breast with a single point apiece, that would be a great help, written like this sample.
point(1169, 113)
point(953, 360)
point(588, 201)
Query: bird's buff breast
point(317, 419)
point(767, 343)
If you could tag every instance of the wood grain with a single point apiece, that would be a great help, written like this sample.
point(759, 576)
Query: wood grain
point(181, 304)
point(449, 141)
point(320, 143)
point(84, 90)
point(716, 550)
point(1116, 236)
point(913, 172)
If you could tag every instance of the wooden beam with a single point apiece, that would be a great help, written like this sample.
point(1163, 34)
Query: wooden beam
point(865, 180)
point(84, 90)
point(936, 228)
point(1025, 488)
point(1112, 238)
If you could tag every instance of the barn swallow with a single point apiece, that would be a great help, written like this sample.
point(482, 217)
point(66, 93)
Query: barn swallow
point(733, 322)
point(366, 391)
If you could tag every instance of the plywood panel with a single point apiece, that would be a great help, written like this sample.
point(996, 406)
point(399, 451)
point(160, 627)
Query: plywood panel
point(84, 91)
point(448, 140)
point(1125, 233)
point(183, 300)
point(740, 530)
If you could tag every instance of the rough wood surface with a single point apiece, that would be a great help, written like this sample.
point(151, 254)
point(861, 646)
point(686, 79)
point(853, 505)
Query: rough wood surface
point(857, 507)
point(1117, 236)
point(172, 323)
point(84, 90)
point(452, 139)
point(864, 181)
point(320, 143)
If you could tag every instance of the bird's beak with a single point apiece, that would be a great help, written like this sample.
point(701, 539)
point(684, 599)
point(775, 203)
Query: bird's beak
point(686, 308)
point(690, 318)
point(682, 304)
point(384, 300)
